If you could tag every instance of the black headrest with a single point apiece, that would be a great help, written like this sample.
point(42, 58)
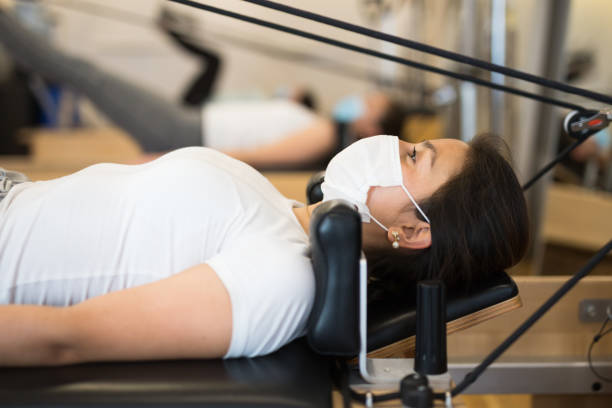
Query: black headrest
point(314, 194)
point(335, 238)
point(392, 319)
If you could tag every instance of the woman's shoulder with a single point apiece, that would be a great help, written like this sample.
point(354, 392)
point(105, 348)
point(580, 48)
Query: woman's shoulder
point(208, 161)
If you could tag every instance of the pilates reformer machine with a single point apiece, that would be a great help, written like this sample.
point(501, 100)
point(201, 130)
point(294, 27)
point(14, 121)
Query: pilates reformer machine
point(352, 346)
point(342, 326)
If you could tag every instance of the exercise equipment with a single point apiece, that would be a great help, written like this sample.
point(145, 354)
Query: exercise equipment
point(337, 327)
point(298, 375)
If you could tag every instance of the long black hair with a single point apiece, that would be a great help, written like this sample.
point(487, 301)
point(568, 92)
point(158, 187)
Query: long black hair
point(479, 226)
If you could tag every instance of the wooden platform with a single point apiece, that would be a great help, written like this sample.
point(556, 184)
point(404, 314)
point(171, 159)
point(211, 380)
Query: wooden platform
point(559, 333)
point(577, 217)
point(406, 348)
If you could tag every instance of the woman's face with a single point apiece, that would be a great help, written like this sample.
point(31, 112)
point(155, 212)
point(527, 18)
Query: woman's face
point(424, 171)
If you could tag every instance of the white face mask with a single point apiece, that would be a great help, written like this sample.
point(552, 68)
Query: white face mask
point(372, 161)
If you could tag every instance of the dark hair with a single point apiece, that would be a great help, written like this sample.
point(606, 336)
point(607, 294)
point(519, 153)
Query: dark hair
point(308, 99)
point(479, 226)
point(392, 120)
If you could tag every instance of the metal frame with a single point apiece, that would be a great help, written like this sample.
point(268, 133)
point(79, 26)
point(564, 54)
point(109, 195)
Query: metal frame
point(536, 377)
point(387, 371)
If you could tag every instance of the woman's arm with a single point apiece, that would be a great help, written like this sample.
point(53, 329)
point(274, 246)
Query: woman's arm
point(298, 148)
point(188, 315)
point(301, 147)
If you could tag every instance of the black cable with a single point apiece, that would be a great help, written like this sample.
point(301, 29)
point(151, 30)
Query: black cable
point(367, 51)
point(558, 158)
point(596, 338)
point(434, 51)
point(403, 61)
point(474, 374)
point(107, 11)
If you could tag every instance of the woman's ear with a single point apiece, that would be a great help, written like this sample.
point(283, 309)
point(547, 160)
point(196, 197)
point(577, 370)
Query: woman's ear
point(414, 236)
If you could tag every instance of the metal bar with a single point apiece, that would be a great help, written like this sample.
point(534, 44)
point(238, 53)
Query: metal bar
point(529, 377)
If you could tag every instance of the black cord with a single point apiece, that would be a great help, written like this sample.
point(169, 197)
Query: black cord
point(115, 13)
point(558, 158)
point(434, 51)
point(596, 338)
point(367, 51)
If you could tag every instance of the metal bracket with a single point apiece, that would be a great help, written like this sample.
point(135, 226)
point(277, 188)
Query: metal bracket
point(595, 310)
point(388, 371)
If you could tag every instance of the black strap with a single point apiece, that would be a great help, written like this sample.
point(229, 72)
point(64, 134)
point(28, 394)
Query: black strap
point(558, 158)
point(367, 51)
point(464, 59)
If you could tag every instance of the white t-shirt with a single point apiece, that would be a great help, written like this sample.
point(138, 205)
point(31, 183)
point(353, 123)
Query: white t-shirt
point(249, 124)
point(110, 227)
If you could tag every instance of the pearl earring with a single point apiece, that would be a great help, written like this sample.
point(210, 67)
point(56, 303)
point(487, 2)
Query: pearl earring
point(396, 238)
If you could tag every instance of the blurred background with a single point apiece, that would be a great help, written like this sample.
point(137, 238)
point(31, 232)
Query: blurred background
point(557, 39)
point(48, 130)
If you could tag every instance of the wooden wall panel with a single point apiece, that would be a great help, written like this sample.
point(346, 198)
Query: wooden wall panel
point(558, 334)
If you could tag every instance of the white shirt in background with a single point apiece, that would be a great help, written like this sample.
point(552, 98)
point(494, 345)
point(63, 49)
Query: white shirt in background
point(234, 125)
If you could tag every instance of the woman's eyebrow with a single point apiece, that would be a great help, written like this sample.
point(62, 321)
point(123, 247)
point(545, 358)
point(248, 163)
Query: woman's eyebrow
point(434, 152)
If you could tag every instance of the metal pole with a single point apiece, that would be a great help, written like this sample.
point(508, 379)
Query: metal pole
point(498, 56)
point(549, 120)
point(467, 90)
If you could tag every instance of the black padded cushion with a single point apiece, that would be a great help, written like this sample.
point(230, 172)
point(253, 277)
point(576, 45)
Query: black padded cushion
point(314, 193)
point(391, 320)
point(292, 377)
point(335, 238)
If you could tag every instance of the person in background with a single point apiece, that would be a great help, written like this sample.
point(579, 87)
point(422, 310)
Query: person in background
point(276, 133)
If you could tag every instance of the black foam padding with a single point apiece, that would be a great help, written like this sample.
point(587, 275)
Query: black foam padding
point(292, 377)
point(430, 351)
point(391, 320)
point(335, 241)
point(314, 193)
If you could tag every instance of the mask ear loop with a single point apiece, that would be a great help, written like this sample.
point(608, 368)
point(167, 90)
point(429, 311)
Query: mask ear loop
point(379, 223)
point(415, 204)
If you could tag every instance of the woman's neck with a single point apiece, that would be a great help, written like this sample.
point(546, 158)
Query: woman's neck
point(373, 237)
point(303, 215)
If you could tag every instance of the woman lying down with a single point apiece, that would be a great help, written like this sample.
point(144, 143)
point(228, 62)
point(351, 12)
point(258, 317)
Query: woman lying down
point(197, 255)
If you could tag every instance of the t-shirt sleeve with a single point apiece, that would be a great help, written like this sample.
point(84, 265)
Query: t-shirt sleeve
point(271, 291)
